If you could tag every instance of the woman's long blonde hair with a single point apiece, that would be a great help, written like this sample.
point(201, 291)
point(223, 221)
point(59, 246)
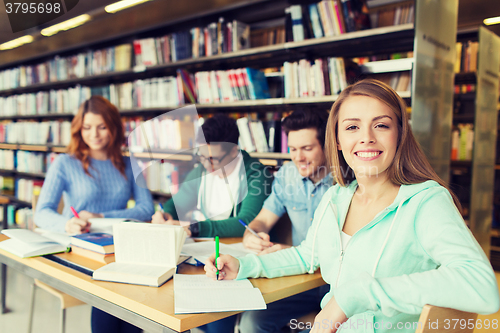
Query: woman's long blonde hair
point(410, 165)
point(111, 116)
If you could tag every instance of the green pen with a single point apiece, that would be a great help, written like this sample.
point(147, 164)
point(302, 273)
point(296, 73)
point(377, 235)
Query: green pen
point(217, 254)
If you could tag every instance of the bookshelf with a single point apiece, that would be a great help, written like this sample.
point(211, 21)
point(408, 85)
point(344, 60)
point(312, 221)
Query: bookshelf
point(476, 103)
point(383, 40)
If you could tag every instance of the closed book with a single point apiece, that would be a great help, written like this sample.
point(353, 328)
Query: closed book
point(96, 256)
point(96, 241)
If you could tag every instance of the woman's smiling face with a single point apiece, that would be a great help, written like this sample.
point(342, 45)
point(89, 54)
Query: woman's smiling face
point(367, 136)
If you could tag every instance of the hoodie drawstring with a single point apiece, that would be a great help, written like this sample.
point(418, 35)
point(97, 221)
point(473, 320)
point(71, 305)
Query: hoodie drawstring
point(311, 270)
point(386, 239)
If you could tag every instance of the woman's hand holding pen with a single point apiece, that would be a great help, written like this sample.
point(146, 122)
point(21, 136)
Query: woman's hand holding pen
point(254, 243)
point(228, 267)
point(331, 314)
point(77, 226)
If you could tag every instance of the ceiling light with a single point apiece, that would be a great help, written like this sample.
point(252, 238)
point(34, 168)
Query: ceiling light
point(492, 20)
point(16, 42)
point(66, 25)
point(120, 5)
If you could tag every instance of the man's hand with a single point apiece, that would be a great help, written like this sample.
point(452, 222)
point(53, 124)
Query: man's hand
point(161, 218)
point(329, 319)
point(166, 218)
point(274, 248)
point(254, 243)
point(76, 226)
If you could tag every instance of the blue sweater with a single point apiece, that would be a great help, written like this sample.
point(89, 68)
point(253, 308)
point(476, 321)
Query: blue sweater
point(107, 192)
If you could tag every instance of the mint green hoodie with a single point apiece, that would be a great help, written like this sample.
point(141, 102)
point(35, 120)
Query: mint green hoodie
point(417, 251)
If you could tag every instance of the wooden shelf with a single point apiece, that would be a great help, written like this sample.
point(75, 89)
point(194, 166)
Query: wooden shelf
point(466, 78)
point(161, 194)
point(22, 174)
point(13, 199)
point(387, 66)
point(459, 163)
point(41, 148)
point(42, 117)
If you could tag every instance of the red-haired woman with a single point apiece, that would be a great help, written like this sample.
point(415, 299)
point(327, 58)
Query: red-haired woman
point(94, 176)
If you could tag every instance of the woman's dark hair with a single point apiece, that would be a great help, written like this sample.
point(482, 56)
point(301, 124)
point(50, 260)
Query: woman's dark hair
point(300, 119)
point(219, 128)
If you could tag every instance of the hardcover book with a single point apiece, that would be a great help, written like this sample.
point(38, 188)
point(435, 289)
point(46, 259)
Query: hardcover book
point(95, 241)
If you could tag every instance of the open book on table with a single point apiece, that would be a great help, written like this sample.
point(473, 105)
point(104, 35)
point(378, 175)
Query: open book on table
point(25, 243)
point(200, 294)
point(145, 254)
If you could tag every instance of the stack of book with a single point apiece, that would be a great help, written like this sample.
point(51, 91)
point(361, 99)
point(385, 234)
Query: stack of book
point(97, 246)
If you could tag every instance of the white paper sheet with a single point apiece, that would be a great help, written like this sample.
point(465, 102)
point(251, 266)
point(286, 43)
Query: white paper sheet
point(200, 294)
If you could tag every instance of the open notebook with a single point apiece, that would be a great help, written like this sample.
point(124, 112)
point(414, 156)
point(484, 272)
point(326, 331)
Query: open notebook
point(145, 253)
point(200, 294)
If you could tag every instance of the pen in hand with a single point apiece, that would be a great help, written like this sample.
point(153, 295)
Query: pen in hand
point(217, 255)
point(248, 228)
point(161, 206)
point(74, 212)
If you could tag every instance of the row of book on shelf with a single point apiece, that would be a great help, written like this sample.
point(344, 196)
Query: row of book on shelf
point(326, 76)
point(56, 132)
point(320, 77)
point(171, 91)
point(25, 161)
point(168, 134)
point(316, 20)
point(161, 133)
point(21, 188)
point(462, 142)
point(45, 102)
point(336, 17)
point(466, 57)
point(465, 88)
point(218, 37)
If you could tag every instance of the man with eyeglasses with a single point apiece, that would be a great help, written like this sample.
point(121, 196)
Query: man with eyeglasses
point(227, 185)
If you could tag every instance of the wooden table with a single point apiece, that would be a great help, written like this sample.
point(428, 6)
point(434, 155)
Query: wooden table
point(149, 308)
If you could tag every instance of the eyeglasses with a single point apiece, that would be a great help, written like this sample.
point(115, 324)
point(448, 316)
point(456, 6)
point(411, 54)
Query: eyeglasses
point(213, 160)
